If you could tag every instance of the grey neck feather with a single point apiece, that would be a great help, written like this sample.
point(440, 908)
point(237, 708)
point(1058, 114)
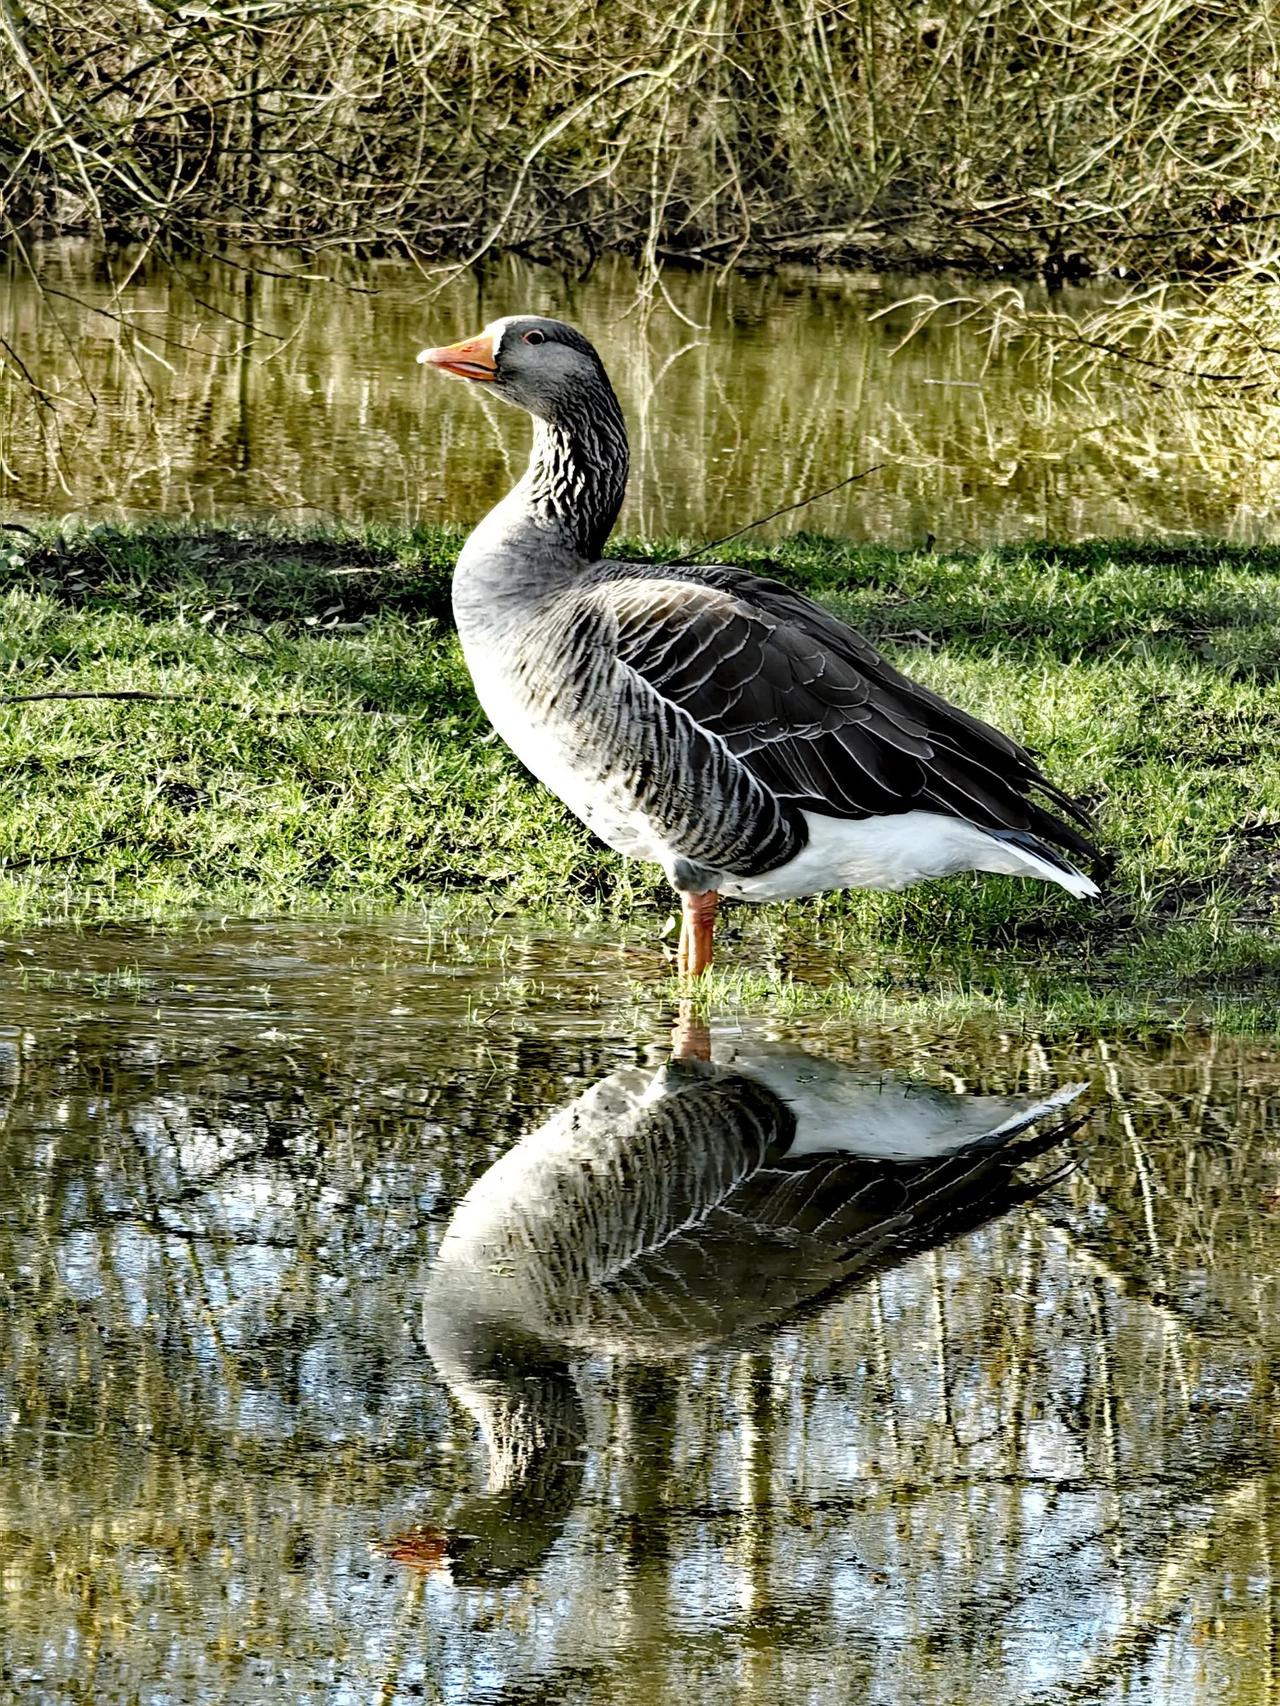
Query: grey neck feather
point(577, 474)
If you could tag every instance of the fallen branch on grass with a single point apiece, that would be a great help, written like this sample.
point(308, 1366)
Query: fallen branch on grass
point(133, 694)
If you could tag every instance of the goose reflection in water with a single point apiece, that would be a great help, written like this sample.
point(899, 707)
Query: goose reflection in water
point(666, 1211)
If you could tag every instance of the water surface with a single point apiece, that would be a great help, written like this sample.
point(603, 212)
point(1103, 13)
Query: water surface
point(272, 1427)
point(214, 390)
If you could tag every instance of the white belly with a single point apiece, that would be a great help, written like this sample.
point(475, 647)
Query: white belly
point(893, 853)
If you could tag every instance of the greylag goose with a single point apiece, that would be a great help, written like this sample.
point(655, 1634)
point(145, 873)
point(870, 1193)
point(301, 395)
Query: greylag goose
point(705, 717)
point(666, 1210)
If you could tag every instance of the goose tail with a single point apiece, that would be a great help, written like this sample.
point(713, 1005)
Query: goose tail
point(1022, 854)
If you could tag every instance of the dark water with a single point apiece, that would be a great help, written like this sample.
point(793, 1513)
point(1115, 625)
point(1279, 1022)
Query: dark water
point(214, 391)
point(389, 1317)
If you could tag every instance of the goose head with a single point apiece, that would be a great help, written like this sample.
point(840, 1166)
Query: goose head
point(541, 365)
point(520, 1390)
point(577, 474)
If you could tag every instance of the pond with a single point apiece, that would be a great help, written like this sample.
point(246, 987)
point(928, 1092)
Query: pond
point(401, 1313)
point(207, 389)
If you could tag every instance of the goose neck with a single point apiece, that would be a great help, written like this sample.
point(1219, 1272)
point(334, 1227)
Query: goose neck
point(577, 475)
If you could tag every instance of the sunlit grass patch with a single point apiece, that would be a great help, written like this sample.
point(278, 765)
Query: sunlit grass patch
point(312, 743)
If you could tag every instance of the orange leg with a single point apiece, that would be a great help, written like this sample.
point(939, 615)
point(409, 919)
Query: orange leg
point(697, 928)
point(691, 1034)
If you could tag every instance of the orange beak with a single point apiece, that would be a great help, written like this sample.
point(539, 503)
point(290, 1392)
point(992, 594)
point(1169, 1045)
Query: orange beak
point(472, 359)
point(423, 1548)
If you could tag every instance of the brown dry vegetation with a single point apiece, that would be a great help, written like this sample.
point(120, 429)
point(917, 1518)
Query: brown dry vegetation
point(1059, 137)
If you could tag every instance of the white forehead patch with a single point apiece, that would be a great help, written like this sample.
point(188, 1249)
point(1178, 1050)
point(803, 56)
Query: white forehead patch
point(496, 329)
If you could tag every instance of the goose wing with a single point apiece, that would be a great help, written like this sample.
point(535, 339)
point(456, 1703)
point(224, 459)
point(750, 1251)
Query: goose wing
point(747, 1230)
point(660, 1211)
point(810, 707)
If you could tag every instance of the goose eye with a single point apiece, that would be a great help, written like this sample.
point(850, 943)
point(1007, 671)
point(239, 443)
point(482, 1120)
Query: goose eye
point(535, 337)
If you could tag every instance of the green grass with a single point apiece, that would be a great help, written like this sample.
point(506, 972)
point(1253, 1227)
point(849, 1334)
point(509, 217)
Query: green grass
point(323, 750)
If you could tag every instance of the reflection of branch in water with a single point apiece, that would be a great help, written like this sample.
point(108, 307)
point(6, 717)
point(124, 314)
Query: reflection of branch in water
point(1176, 1316)
point(1182, 1568)
point(1143, 1170)
point(1102, 1372)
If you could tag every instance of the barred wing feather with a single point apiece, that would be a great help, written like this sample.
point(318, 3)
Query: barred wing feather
point(810, 707)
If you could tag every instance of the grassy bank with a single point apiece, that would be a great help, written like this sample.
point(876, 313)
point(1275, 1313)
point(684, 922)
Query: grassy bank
point(243, 721)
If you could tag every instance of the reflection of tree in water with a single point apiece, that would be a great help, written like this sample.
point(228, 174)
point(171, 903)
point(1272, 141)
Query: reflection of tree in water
point(194, 391)
point(1034, 1460)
